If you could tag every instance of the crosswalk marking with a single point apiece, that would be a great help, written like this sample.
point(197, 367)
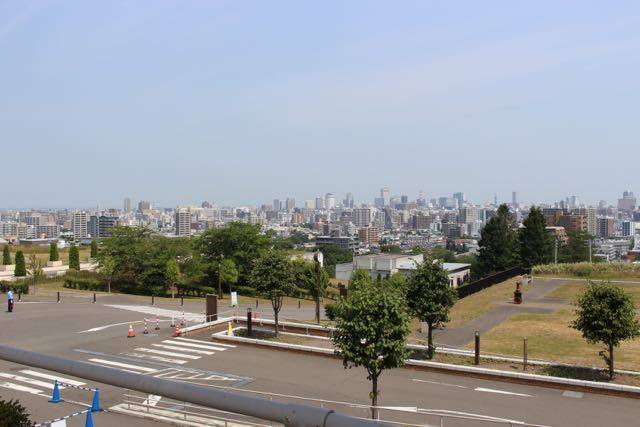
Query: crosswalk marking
point(188, 344)
point(52, 377)
point(205, 342)
point(167, 353)
point(123, 365)
point(158, 358)
point(27, 380)
point(19, 387)
point(188, 350)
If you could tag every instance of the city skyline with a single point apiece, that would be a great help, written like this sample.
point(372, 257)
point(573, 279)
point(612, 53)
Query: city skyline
point(217, 100)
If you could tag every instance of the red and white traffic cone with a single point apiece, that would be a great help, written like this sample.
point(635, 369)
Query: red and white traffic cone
point(184, 323)
point(176, 331)
point(131, 333)
point(157, 328)
point(146, 330)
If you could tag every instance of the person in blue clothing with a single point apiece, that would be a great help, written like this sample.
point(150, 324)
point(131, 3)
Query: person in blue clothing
point(10, 300)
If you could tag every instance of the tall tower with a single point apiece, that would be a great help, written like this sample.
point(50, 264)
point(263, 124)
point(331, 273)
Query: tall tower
point(127, 204)
point(384, 195)
point(514, 199)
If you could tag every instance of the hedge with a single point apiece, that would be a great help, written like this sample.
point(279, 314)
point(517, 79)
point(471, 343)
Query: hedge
point(585, 269)
point(17, 287)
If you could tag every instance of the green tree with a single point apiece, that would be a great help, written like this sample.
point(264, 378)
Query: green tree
point(606, 314)
point(228, 272)
point(54, 255)
point(74, 258)
point(536, 244)
point(94, 249)
point(273, 278)
point(333, 255)
point(371, 331)
point(35, 268)
point(21, 267)
point(311, 278)
point(172, 274)
point(577, 247)
point(498, 243)
point(106, 266)
point(430, 296)
point(359, 278)
point(392, 249)
point(238, 241)
point(396, 281)
point(13, 414)
point(6, 256)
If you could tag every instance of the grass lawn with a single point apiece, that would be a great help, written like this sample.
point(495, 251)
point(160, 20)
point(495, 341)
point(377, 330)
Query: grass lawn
point(479, 303)
point(570, 291)
point(613, 275)
point(551, 338)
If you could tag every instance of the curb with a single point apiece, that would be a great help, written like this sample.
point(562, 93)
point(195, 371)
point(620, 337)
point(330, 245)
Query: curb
point(469, 371)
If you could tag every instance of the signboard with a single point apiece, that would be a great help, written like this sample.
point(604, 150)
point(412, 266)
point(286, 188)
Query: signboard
point(234, 299)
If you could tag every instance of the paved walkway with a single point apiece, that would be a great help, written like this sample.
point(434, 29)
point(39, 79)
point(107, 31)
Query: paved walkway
point(534, 302)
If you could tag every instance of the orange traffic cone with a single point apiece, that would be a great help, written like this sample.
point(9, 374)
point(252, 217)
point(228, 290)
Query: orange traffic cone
point(131, 333)
point(176, 331)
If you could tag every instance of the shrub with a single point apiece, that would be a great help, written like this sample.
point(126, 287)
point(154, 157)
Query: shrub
point(13, 414)
point(330, 310)
point(17, 287)
point(246, 291)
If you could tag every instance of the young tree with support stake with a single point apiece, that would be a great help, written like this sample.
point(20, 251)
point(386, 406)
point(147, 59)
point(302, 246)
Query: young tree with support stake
point(107, 267)
point(273, 277)
point(430, 296)
point(35, 267)
point(606, 314)
point(172, 275)
point(371, 331)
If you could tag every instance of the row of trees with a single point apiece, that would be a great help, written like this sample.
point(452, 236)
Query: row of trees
point(503, 245)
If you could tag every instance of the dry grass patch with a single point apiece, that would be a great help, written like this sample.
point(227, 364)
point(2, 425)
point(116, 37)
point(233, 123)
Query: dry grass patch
point(569, 291)
point(467, 309)
point(551, 338)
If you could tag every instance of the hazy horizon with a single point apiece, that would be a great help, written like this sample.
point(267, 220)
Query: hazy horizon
point(241, 103)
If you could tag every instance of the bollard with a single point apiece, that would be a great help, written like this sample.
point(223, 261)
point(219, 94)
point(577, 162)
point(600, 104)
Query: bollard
point(524, 355)
point(249, 322)
point(58, 296)
point(298, 304)
point(153, 300)
point(476, 359)
point(19, 297)
point(94, 297)
point(181, 300)
point(256, 303)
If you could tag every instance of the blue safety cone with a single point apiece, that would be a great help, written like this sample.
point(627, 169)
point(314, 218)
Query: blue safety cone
point(55, 398)
point(95, 406)
point(89, 420)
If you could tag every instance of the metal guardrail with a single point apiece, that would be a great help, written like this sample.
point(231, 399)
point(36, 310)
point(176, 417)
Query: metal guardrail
point(289, 414)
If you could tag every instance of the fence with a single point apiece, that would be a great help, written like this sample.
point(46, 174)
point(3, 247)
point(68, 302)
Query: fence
point(478, 285)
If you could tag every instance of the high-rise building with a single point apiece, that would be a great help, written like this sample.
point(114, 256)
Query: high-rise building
point(468, 215)
point(628, 202)
point(460, 198)
point(384, 195)
point(361, 217)
point(127, 204)
point(277, 205)
point(605, 227)
point(329, 201)
point(319, 202)
point(144, 205)
point(348, 201)
point(100, 226)
point(290, 204)
point(309, 204)
point(514, 199)
point(369, 235)
point(628, 228)
point(79, 225)
point(183, 222)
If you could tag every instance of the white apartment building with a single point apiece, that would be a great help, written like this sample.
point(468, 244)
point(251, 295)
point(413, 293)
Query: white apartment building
point(79, 225)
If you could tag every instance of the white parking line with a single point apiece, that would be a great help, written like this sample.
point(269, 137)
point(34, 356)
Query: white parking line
point(490, 390)
point(438, 383)
point(123, 365)
point(205, 342)
point(167, 353)
point(18, 387)
point(51, 377)
point(188, 344)
point(27, 380)
point(188, 350)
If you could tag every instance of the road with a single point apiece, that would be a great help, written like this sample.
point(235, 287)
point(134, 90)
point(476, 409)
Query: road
point(96, 333)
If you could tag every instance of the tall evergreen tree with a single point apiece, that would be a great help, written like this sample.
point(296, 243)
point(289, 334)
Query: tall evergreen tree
point(6, 256)
point(74, 258)
point(94, 249)
point(498, 243)
point(536, 245)
point(577, 247)
point(21, 266)
point(53, 252)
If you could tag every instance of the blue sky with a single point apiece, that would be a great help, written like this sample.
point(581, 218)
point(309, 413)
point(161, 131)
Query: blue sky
point(241, 102)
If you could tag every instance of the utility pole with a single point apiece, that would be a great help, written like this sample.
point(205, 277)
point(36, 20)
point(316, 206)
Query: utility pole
point(555, 252)
point(318, 279)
